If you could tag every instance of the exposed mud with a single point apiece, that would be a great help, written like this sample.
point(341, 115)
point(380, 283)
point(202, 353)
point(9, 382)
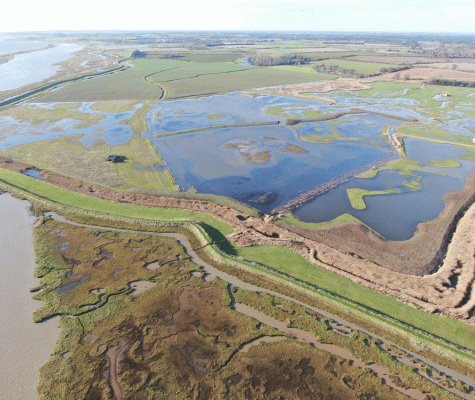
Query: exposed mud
point(113, 355)
point(139, 287)
point(307, 337)
point(317, 87)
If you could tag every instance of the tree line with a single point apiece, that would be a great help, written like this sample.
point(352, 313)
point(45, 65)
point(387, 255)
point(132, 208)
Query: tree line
point(264, 60)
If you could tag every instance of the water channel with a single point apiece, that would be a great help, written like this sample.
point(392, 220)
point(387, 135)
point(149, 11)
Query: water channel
point(24, 345)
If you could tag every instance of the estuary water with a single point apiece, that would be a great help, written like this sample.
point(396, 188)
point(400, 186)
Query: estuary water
point(24, 345)
point(35, 66)
point(9, 44)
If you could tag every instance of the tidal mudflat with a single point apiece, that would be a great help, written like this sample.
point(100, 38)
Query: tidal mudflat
point(24, 345)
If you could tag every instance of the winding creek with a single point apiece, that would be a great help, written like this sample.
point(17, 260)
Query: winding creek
point(24, 345)
point(338, 325)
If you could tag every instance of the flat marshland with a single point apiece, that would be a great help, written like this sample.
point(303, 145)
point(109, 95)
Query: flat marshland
point(263, 183)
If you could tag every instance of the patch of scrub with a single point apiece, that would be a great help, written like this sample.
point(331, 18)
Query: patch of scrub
point(445, 163)
point(291, 111)
point(216, 116)
point(293, 148)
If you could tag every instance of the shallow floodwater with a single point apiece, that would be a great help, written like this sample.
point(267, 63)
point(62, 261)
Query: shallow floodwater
point(214, 161)
point(24, 345)
point(396, 216)
point(110, 129)
point(33, 67)
point(8, 44)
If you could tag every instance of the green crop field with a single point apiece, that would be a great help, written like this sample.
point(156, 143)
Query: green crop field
point(360, 68)
point(216, 79)
point(124, 85)
point(156, 78)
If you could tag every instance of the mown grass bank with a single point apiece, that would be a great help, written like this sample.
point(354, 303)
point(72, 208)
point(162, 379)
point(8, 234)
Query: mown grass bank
point(42, 191)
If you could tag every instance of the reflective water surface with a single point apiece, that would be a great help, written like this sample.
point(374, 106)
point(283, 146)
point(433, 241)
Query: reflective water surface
point(24, 345)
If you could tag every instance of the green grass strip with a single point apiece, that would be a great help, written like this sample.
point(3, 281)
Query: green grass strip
point(47, 192)
point(208, 128)
point(356, 196)
point(445, 163)
point(294, 267)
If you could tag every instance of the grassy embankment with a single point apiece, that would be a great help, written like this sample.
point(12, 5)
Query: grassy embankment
point(283, 263)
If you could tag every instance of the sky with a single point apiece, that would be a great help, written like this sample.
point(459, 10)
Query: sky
point(455, 16)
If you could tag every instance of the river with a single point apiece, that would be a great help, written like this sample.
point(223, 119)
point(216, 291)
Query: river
point(24, 345)
point(35, 66)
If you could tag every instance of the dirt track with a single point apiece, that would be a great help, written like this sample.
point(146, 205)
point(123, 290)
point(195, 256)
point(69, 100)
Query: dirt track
point(366, 259)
